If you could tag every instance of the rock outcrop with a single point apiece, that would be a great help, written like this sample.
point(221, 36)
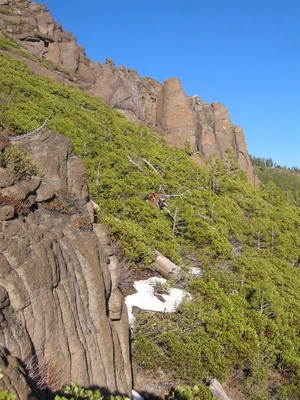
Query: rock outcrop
point(15, 378)
point(184, 121)
point(217, 390)
point(62, 314)
point(174, 118)
point(215, 133)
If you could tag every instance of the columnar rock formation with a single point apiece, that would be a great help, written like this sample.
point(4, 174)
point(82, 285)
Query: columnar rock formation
point(174, 118)
point(164, 107)
point(215, 133)
point(61, 311)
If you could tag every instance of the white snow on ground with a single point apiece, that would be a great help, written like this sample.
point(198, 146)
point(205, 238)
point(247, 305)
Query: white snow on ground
point(145, 299)
point(136, 396)
point(196, 271)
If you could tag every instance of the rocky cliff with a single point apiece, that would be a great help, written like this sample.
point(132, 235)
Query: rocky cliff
point(184, 121)
point(61, 311)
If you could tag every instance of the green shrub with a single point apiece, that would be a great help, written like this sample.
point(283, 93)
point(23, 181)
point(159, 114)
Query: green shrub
point(51, 65)
point(198, 392)
point(18, 163)
point(75, 391)
point(161, 288)
point(20, 207)
point(10, 44)
point(61, 206)
point(244, 315)
point(14, 22)
point(83, 222)
point(4, 11)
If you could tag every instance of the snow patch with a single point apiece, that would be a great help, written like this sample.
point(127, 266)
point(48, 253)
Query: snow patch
point(136, 396)
point(196, 271)
point(146, 300)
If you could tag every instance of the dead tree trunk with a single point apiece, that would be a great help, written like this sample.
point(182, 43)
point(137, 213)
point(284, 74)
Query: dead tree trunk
point(166, 268)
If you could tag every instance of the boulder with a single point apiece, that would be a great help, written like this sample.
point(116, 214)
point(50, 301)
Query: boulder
point(5, 179)
point(217, 390)
point(30, 201)
point(30, 185)
point(15, 191)
point(90, 210)
point(7, 212)
point(54, 155)
point(45, 192)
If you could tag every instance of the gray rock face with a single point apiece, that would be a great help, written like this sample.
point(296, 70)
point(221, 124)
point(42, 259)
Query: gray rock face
point(62, 313)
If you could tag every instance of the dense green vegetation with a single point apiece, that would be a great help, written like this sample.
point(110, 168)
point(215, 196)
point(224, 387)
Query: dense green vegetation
point(287, 181)
point(268, 162)
point(9, 43)
point(243, 319)
point(198, 392)
point(18, 163)
point(75, 391)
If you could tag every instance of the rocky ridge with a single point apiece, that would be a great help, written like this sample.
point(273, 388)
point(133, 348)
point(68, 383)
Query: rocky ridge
point(186, 122)
point(62, 314)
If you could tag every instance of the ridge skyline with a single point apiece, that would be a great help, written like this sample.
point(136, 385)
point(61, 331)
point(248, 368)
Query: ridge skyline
point(254, 90)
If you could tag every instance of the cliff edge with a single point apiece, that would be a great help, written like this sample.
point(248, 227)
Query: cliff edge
point(184, 121)
point(62, 314)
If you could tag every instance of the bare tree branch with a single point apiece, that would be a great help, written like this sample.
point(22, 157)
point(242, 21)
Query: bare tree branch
point(38, 130)
point(180, 195)
point(150, 165)
point(135, 163)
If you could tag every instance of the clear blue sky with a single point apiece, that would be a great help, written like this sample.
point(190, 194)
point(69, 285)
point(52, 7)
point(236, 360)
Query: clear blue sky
point(244, 54)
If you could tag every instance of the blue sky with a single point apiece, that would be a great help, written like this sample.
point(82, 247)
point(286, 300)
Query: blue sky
point(244, 54)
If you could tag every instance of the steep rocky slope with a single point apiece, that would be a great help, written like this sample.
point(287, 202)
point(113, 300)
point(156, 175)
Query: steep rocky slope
point(62, 313)
point(184, 121)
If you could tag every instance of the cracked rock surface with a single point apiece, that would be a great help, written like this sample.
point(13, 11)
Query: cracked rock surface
point(60, 304)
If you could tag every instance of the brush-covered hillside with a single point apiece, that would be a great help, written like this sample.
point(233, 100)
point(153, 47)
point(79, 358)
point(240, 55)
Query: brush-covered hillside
point(241, 322)
point(288, 180)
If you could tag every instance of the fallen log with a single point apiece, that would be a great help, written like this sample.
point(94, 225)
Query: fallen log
point(166, 267)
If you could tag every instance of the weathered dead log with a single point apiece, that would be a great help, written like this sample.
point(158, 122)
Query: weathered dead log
point(166, 267)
